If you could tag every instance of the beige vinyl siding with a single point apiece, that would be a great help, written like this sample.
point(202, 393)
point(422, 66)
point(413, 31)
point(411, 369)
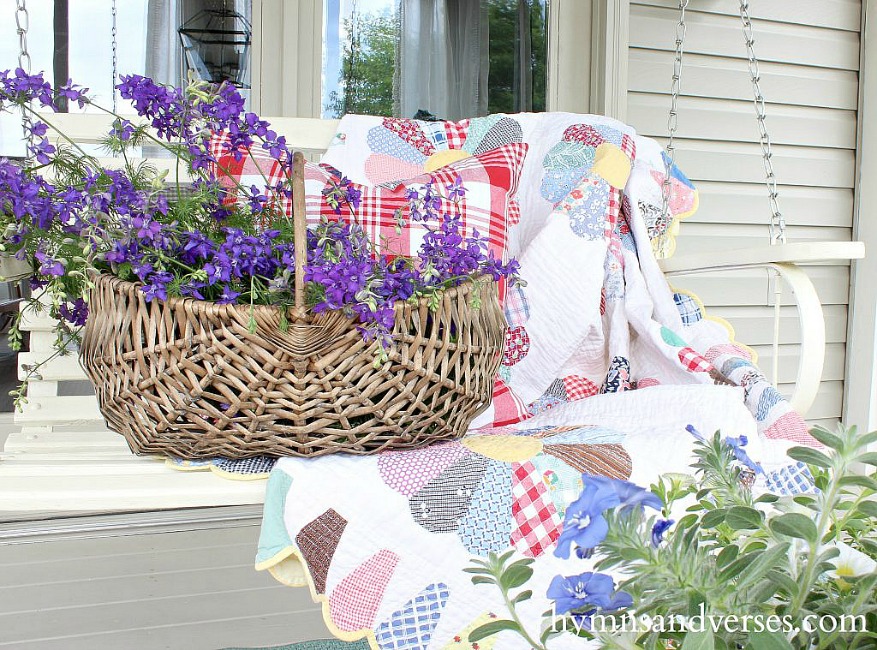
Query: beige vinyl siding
point(809, 75)
point(180, 586)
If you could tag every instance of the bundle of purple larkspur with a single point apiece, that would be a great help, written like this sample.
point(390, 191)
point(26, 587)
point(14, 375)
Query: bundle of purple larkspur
point(69, 216)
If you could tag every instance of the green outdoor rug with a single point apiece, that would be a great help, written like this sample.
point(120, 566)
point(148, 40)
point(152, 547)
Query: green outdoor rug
point(315, 645)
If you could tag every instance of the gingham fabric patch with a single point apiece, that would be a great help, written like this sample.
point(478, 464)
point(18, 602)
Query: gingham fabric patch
point(442, 502)
point(354, 603)
point(578, 387)
point(411, 627)
point(256, 466)
point(490, 179)
point(693, 361)
point(516, 306)
point(537, 524)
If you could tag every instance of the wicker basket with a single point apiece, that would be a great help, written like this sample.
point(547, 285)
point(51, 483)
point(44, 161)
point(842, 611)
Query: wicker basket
point(189, 378)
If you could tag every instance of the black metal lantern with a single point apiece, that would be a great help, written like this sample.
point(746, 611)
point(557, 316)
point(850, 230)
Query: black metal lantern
point(216, 45)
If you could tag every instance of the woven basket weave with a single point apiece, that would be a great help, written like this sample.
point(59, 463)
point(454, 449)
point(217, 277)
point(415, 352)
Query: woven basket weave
point(189, 378)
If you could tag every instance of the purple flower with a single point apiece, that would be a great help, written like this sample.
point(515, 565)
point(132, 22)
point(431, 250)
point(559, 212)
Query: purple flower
point(75, 313)
point(50, 266)
point(157, 286)
point(661, 526)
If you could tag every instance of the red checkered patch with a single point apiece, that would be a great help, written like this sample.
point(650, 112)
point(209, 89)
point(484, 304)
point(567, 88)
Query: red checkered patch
point(517, 345)
point(584, 133)
point(578, 387)
point(490, 179)
point(693, 361)
point(456, 133)
point(537, 524)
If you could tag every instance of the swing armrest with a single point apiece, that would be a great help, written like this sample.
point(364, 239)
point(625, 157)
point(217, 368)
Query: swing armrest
point(784, 259)
point(797, 253)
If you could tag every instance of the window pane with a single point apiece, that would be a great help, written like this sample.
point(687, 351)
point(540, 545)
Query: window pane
point(448, 58)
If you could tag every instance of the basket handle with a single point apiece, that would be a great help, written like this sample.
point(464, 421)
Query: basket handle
point(300, 230)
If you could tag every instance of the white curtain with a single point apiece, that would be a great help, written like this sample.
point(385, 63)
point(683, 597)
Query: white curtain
point(443, 58)
point(162, 42)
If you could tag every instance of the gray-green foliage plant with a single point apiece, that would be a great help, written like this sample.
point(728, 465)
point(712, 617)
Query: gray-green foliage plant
point(741, 570)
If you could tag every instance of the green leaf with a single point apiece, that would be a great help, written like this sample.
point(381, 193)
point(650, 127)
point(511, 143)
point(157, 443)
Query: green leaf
point(726, 556)
point(734, 568)
point(868, 508)
point(521, 597)
point(768, 641)
point(766, 561)
point(483, 580)
point(867, 440)
point(714, 518)
point(859, 481)
point(515, 576)
point(870, 458)
point(827, 438)
point(810, 456)
point(743, 518)
point(699, 641)
point(783, 581)
point(794, 525)
point(489, 629)
point(767, 497)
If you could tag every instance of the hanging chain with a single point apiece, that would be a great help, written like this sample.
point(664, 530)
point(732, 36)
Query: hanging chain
point(672, 124)
point(115, 59)
point(777, 221)
point(22, 24)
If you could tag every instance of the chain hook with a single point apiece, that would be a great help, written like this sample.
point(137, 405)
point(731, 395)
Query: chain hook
point(22, 25)
point(663, 239)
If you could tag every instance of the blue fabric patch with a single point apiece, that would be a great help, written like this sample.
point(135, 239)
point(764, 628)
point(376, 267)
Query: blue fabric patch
point(411, 627)
point(769, 398)
point(688, 309)
point(790, 480)
point(487, 526)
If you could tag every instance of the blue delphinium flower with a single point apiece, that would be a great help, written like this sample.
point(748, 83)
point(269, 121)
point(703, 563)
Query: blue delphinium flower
point(589, 589)
point(736, 445)
point(661, 526)
point(629, 494)
point(584, 522)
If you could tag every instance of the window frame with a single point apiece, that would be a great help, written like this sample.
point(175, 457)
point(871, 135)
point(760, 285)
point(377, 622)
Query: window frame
point(584, 74)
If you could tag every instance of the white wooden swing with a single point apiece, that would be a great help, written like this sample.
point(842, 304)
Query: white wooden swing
point(64, 459)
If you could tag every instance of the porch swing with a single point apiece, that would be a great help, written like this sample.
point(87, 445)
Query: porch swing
point(63, 459)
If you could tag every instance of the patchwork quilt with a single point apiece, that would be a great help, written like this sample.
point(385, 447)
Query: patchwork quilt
point(605, 366)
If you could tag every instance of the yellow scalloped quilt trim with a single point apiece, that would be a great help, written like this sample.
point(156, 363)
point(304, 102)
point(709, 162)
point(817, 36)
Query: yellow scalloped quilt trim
point(664, 246)
point(282, 566)
point(717, 319)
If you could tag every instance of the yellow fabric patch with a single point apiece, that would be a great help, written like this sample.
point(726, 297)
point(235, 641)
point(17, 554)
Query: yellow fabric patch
point(508, 449)
point(443, 158)
point(461, 640)
point(612, 165)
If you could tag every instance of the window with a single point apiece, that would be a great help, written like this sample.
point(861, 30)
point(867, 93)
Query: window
point(448, 58)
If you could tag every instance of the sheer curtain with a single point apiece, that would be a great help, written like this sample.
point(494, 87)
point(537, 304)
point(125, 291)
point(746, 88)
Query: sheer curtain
point(162, 42)
point(443, 58)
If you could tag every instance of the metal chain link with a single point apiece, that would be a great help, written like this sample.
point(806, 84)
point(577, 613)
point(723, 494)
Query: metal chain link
point(777, 221)
point(22, 24)
point(663, 238)
point(115, 59)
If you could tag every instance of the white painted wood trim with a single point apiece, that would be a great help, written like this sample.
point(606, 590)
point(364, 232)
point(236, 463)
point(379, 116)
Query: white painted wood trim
point(569, 55)
point(609, 58)
point(860, 405)
point(289, 63)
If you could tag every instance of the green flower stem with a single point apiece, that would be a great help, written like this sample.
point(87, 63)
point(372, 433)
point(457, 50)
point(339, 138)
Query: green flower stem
point(517, 619)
